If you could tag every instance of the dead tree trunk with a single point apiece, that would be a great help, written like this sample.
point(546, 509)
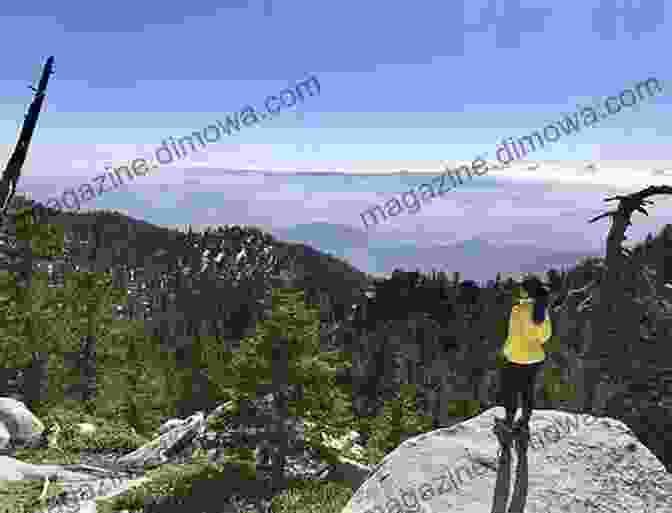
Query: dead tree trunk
point(36, 376)
point(613, 318)
point(12, 172)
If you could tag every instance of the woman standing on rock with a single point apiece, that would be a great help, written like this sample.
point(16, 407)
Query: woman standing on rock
point(529, 330)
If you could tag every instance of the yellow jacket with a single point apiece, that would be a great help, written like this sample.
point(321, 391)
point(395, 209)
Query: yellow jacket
point(524, 344)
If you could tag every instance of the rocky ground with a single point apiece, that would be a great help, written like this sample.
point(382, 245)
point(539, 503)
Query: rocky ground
point(82, 475)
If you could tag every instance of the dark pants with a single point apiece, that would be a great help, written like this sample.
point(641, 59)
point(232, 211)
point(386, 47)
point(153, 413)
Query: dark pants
point(518, 379)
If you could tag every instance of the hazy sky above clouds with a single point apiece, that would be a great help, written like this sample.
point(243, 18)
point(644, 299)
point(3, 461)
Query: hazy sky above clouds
point(403, 86)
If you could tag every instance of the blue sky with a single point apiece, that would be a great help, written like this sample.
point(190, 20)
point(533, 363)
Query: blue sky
point(432, 80)
point(403, 85)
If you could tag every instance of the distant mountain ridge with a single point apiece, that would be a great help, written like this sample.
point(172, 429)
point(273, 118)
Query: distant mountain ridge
point(476, 258)
point(133, 243)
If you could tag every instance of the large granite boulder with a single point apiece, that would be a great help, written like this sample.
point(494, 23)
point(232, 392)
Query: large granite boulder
point(23, 426)
point(572, 462)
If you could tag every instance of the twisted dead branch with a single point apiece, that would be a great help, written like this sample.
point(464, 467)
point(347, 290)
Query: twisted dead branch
point(574, 292)
point(616, 255)
point(609, 309)
point(621, 219)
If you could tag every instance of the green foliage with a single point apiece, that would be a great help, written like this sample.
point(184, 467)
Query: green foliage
point(188, 485)
point(23, 496)
point(398, 419)
point(47, 320)
point(88, 298)
point(131, 371)
point(283, 357)
point(53, 320)
point(47, 240)
point(464, 407)
point(112, 432)
point(555, 389)
point(195, 484)
point(502, 328)
point(553, 345)
point(134, 374)
point(30, 319)
point(312, 497)
point(190, 385)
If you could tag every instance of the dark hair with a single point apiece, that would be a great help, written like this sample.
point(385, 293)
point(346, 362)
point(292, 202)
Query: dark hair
point(469, 284)
point(536, 290)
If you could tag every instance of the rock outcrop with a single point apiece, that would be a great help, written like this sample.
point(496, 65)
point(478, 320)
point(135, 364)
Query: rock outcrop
point(168, 445)
point(169, 424)
point(18, 425)
point(577, 463)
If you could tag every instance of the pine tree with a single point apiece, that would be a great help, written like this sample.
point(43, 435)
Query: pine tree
point(44, 321)
point(283, 358)
point(398, 421)
point(31, 310)
point(89, 298)
point(30, 325)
